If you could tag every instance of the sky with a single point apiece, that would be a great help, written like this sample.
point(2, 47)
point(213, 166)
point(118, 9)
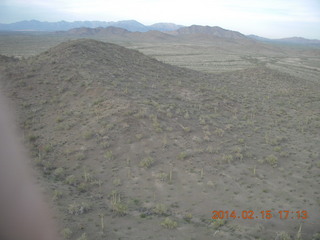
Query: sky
point(266, 18)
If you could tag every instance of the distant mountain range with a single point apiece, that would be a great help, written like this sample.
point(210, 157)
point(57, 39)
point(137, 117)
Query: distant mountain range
point(130, 25)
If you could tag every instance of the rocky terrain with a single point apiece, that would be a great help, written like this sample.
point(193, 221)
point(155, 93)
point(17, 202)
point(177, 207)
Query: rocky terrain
point(130, 147)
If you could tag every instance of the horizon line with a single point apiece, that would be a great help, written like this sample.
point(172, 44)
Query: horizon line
point(30, 30)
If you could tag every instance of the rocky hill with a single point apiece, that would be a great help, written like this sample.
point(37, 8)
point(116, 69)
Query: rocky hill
point(129, 147)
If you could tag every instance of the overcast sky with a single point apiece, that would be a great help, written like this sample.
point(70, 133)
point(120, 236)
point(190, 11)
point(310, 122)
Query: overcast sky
point(267, 18)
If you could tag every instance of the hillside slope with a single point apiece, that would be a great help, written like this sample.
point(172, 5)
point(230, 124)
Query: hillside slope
point(151, 149)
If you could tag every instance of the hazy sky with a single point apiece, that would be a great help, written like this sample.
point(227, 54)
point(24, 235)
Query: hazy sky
point(267, 18)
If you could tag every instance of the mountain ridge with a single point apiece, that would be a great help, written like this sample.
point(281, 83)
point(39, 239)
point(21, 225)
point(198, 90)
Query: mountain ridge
point(130, 25)
point(207, 30)
point(135, 26)
point(194, 32)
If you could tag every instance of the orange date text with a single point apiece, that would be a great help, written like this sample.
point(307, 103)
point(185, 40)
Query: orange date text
point(266, 214)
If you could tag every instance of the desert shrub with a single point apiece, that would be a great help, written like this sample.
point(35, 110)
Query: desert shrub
point(169, 224)
point(87, 177)
point(272, 160)
point(80, 156)
point(163, 176)
point(47, 148)
point(108, 155)
point(186, 129)
point(78, 208)
point(105, 144)
point(56, 195)
point(155, 123)
point(71, 180)
point(314, 155)
point(219, 132)
point(187, 217)
point(47, 166)
point(146, 162)
point(316, 236)
point(237, 149)
point(59, 119)
point(66, 233)
point(83, 187)
point(117, 182)
point(277, 140)
point(283, 236)
point(160, 209)
point(59, 173)
point(88, 135)
point(83, 237)
point(139, 136)
point(284, 154)
point(165, 141)
point(217, 223)
point(238, 156)
point(227, 158)
point(32, 138)
point(182, 156)
point(277, 149)
point(209, 149)
point(120, 209)
point(210, 183)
